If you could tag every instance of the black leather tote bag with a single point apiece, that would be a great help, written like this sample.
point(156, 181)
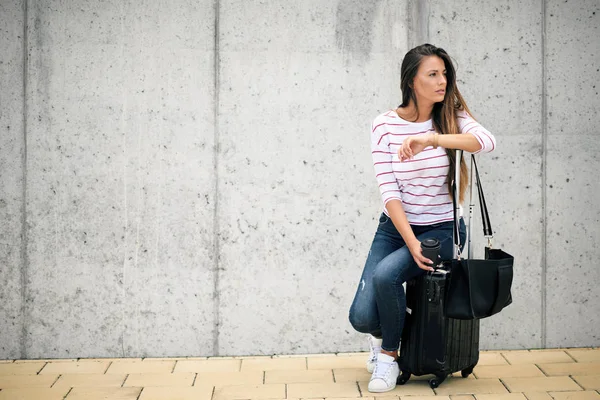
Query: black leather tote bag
point(478, 288)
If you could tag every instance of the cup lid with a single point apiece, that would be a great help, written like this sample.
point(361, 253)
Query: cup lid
point(430, 242)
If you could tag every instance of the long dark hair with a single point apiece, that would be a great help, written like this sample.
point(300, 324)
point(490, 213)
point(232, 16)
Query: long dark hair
point(444, 114)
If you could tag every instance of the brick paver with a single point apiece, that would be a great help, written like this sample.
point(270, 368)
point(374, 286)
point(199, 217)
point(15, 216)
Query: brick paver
point(21, 368)
point(359, 361)
point(506, 371)
point(306, 390)
point(586, 368)
point(586, 395)
point(491, 358)
point(501, 396)
point(140, 367)
point(26, 381)
point(230, 378)
point(273, 364)
point(177, 393)
point(243, 392)
point(537, 396)
point(471, 386)
point(537, 357)
point(96, 367)
point(299, 376)
point(90, 380)
point(213, 365)
point(143, 380)
point(585, 355)
point(104, 394)
point(588, 382)
point(546, 384)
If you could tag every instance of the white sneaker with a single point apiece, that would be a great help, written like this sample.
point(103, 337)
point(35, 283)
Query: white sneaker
point(385, 374)
point(375, 347)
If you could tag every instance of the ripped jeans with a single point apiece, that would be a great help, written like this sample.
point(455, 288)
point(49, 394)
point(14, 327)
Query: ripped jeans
point(379, 306)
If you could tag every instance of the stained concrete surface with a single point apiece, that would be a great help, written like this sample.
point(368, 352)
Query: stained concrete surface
point(296, 170)
point(120, 190)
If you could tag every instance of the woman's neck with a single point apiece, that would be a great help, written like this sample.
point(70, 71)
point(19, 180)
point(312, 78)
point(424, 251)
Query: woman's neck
point(409, 112)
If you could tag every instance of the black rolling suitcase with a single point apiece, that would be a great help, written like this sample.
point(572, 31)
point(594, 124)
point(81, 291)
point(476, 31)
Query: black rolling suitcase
point(432, 343)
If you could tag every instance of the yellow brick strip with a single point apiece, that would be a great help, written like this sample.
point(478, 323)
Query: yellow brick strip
point(104, 393)
point(585, 395)
point(177, 393)
point(96, 367)
point(528, 357)
point(580, 369)
point(308, 390)
point(546, 384)
point(21, 368)
point(26, 381)
point(90, 380)
point(33, 393)
point(588, 382)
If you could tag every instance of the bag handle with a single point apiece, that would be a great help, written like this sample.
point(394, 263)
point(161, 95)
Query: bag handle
point(455, 203)
point(485, 217)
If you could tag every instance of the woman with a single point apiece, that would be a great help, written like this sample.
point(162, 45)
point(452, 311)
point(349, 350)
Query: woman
point(413, 151)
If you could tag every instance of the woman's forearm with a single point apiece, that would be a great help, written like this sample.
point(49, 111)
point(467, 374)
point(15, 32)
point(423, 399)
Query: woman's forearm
point(464, 141)
point(396, 211)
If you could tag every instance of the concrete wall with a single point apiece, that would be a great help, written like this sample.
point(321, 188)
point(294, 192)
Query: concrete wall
point(194, 178)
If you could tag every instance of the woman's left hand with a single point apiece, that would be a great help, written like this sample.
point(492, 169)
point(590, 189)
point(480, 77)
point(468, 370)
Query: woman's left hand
point(413, 145)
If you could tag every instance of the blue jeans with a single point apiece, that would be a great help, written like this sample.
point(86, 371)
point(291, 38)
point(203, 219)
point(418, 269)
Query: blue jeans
point(379, 306)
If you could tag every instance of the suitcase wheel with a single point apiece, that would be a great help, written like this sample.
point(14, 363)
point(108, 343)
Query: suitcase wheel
point(403, 378)
point(467, 371)
point(435, 382)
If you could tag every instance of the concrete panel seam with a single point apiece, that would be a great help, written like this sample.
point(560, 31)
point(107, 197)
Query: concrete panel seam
point(418, 22)
point(125, 206)
point(216, 246)
point(24, 256)
point(544, 178)
point(423, 19)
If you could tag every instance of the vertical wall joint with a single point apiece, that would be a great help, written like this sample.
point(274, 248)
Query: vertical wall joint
point(24, 261)
point(418, 22)
point(216, 246)
point(544, 167)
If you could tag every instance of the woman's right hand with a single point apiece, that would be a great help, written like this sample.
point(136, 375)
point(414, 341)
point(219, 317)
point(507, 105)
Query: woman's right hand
point(417, 253)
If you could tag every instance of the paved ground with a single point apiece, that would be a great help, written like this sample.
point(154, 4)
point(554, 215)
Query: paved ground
point(564, 374)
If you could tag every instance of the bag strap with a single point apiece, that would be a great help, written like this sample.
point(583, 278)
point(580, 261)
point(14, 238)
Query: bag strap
point(485, 217)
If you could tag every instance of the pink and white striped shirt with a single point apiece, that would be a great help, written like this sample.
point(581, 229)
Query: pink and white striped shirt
point(420, 183)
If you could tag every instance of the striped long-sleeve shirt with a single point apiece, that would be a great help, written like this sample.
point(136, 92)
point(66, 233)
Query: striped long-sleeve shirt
point(420, 183)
